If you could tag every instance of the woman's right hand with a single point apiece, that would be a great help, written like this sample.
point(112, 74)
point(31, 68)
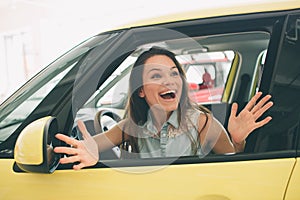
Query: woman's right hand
point(85, 151)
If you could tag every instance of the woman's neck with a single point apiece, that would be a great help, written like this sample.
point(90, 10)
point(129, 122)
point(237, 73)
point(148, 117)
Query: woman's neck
point(159, 117)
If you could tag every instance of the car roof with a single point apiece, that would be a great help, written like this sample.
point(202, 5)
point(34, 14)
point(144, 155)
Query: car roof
point(217, 8)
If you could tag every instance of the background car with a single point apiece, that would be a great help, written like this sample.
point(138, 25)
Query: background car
point(244, 51)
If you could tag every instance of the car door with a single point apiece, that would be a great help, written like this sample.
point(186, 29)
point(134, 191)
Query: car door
point(262, 172)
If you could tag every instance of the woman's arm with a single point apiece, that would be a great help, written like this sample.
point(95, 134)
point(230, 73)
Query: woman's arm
point(214, 137)
point(110, 138)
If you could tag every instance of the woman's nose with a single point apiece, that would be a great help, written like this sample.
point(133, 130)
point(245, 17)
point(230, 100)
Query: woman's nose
point(168, 80)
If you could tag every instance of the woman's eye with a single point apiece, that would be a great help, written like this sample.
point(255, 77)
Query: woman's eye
point(156, 76)
point(174, 73)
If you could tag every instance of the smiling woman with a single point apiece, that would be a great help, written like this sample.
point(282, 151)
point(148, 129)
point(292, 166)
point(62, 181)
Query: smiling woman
point(161, 78)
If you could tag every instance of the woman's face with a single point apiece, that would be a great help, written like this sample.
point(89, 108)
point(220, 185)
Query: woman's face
point(162, 83)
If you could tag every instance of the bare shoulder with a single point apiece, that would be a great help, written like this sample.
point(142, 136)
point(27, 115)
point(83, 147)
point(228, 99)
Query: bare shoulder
point(204, 119)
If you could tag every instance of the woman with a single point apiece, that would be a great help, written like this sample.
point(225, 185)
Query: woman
point(161, 121)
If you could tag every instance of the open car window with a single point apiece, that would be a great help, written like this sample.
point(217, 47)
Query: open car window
point(213, 71)
point(217, 64)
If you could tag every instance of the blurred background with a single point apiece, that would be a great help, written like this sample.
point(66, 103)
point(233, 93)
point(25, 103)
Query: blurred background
point(35, 32)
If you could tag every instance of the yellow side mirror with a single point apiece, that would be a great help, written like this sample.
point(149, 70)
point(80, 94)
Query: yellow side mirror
point(34, 146)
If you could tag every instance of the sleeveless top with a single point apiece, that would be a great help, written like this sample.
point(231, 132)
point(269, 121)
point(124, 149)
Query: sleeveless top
point(173, 140)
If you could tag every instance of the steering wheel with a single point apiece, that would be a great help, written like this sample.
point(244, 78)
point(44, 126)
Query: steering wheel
point(103, 121)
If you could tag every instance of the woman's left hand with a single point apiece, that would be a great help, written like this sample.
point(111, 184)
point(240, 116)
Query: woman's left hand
point(241, 125)
point(84, 152)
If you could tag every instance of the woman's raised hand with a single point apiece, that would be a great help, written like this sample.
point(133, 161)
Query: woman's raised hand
point(241, 125)
point(84, 152)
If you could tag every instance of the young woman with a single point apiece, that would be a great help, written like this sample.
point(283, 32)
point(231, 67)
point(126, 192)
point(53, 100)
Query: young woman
point(161, 121)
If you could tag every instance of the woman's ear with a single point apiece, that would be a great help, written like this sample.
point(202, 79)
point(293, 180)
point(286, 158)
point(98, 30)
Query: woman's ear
point(141, 93)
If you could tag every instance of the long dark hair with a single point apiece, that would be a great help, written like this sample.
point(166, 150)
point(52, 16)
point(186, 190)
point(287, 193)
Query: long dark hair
point(137, 107)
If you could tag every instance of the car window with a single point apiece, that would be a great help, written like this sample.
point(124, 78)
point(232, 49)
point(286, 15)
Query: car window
point(207, 74)
point(256, 81)
point(210, 69)
point(216, 64)
point(9, 124)
point(22, 103)
point(120, 78)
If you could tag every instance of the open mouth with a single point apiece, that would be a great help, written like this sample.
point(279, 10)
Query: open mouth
point(171, 94)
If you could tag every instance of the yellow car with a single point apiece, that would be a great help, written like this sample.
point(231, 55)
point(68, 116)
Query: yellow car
point(244, 48)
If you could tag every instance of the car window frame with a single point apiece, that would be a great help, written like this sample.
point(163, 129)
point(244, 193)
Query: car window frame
point(272, 66)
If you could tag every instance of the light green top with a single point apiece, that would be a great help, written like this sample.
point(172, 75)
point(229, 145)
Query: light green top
point(173, 140)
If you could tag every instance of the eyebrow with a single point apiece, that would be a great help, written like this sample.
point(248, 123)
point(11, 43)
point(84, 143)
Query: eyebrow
point(158, 69)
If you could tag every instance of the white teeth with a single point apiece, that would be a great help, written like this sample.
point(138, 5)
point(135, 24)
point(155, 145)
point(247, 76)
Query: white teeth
point(171, 94)
point(168, 92)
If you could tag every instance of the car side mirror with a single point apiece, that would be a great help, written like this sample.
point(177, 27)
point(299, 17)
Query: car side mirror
point(34, 146)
